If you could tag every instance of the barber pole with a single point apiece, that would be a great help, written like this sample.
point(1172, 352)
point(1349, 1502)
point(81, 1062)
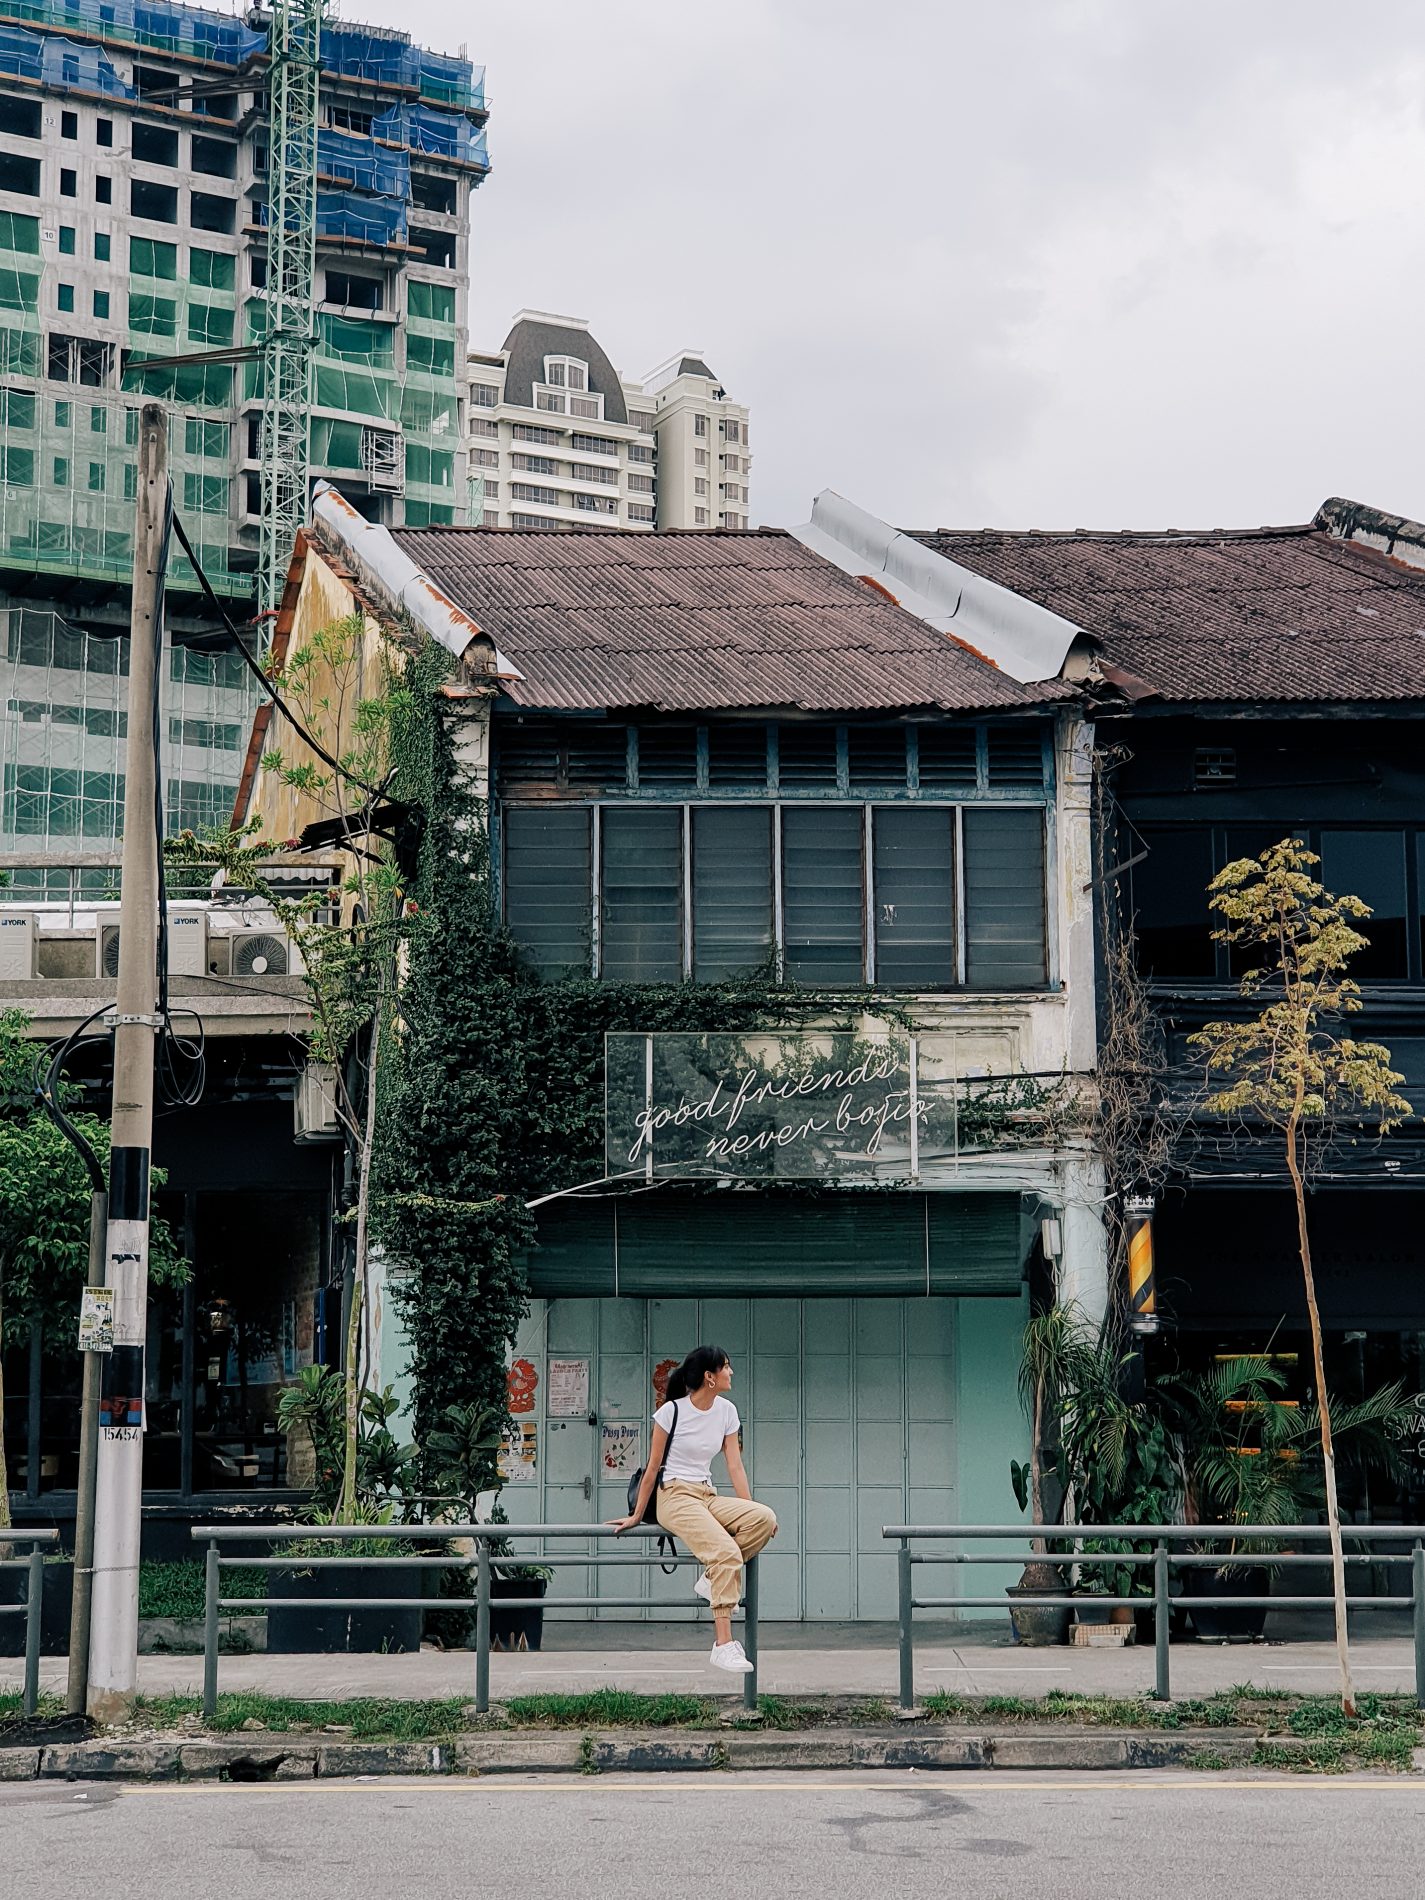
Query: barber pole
point(1142, 1284)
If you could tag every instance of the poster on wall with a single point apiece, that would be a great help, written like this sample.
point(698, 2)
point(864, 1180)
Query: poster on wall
point(518, 1454)
point(522, 1381)
point(620, 1450)
point(568, 1395)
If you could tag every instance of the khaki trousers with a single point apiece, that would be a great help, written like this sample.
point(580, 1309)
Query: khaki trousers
point(722, 1533)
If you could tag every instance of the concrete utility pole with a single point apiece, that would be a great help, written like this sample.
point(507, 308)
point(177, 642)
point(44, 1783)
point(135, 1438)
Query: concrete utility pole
point(83, 1596)
point(113, 1650)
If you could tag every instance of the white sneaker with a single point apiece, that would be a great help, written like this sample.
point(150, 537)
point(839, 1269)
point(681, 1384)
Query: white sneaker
point(730, 1656)
point(702, 1588)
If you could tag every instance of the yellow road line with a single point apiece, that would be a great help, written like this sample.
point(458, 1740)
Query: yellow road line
point(961, 1781)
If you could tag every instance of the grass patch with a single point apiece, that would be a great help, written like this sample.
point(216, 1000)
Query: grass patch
point(368, 1718)
point(1206, 1758)
point(12, 1707)
point(613, 1708)
point(176, 1589)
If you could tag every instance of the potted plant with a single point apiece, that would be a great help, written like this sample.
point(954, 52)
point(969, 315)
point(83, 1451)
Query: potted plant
point(462, 1465)
point(1054, 1343)
point(515, 1628)
point(1252, 1458)
point(316, 1404)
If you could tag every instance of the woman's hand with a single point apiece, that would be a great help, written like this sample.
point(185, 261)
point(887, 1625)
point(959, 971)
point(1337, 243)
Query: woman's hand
point(622, 1524)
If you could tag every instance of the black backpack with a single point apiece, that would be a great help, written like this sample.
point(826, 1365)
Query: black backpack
point(666, 1546)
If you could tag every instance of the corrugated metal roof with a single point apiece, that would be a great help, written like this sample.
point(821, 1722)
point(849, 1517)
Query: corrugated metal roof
point(1291, 614)
point(692, 622)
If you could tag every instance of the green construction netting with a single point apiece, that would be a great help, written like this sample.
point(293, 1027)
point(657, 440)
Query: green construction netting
point(429, 514)
point(19, 233)
point(430, 355)
point(211, 270)
point(211, 440)
point(18, 466)
point(355, 390)
point(151, 257)
point(427, 412)
point(432, 468)
point(152, 316)
point(432, 303)
point(336, 444)
point(207, 494)
point(19, 351)
point(17, 408)
point(352, 340)
point(210, 325)
point(19, 289)
point(209, 385)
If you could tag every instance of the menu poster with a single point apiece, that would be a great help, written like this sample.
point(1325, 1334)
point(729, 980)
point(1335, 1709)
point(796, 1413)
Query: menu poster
point(567, 1391)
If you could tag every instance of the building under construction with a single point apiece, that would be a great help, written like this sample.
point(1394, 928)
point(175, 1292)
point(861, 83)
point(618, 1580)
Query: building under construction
point(263, 222)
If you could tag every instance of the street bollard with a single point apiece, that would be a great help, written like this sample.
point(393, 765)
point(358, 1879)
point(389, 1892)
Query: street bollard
point(907, 1648)
point(210, 1632)
point(1162, 1623)
point(34, 1599)
point(749, 1682)
point(482, 1627)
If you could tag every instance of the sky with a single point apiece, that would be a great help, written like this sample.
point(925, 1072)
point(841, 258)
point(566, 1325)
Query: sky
point(1015, 263)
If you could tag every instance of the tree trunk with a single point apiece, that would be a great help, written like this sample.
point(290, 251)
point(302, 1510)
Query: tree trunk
point(1036, 1471)
point(347, 1511)
point(1333, 1514)
point(346, 1506)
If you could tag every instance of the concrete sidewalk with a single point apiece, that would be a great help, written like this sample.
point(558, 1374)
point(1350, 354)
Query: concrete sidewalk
point(800, 1659)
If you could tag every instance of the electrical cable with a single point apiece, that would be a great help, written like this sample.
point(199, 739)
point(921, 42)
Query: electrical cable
point(49, 1100)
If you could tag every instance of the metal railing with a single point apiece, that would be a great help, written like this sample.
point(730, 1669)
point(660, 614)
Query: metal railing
point(1067, 1541)
point(482, 1563)
point(33, 1566)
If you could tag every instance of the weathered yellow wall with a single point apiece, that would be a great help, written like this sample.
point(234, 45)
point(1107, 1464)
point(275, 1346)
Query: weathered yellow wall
point(286, 810)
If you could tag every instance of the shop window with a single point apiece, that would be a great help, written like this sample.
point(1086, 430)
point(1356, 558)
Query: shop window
point(823, 900)
point(732, 890)
point(640, 932)
point(1004, 899)
point(913, 861)
point(156, 145)
point(546, 885)
point(1371, 865)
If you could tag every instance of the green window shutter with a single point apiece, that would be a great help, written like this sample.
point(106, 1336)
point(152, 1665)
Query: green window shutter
point(641, 928)
point(823, 899)
point(546, 884)
point(732, 890)
point(914, 866)
point(1004, 899)
point(877, 1245)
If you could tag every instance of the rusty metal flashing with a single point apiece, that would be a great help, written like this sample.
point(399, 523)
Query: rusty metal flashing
point(262, 718)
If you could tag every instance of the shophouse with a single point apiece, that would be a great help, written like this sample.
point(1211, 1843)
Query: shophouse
point(715, 759)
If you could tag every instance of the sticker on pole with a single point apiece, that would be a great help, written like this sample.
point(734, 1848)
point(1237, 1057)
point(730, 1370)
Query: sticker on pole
point(96, 1319)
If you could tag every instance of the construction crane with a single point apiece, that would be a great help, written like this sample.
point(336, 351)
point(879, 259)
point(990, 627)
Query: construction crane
point(289, 342)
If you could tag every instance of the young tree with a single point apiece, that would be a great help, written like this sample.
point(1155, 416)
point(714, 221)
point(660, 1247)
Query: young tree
point(44, 1214)
point(1286, 1066)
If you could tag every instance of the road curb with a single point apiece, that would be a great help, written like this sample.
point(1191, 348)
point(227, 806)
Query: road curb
point(626, 1751)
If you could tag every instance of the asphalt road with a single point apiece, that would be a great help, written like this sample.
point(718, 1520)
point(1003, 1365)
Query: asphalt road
point(751, 1837)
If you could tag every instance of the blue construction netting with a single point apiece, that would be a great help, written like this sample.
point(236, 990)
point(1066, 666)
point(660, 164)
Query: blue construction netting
point(348, 214)
point(192, 32)
point(363, 164)
point(64, 65)
point(443, 134)
point(392, 60)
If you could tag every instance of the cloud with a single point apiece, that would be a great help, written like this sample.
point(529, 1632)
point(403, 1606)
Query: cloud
point(1065, 262)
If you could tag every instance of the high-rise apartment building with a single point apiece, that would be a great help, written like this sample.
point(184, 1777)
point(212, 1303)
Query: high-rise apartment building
point(559, 439)
point(133, 215)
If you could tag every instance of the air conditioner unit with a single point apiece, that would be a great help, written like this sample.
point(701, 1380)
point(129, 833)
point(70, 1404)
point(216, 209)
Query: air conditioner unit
point(106, 952)
point(264, 953)
point(18, 930)
point(314, 1114)
point(187, 939)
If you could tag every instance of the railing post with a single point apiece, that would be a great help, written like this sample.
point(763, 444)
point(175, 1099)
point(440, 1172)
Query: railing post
point(34, 1598)
point(1417, 1611)
point(907, 1652)
point(1162, 1622)
point(210, 1632)
point(482, 1626)
point(749, 1633)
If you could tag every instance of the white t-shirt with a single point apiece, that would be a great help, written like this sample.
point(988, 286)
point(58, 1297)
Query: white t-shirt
point(698, 1439)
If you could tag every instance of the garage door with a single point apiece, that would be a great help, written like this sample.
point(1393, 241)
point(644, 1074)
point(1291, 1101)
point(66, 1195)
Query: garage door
point(856, 1413)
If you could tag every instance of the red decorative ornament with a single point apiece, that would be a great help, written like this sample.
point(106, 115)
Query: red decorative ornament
point(522, 1383)
point(661, 1373)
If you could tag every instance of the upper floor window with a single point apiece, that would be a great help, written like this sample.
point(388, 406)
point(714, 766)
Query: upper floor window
point(734, 431)
point(907, 897)
point(484, 395)
point(566, 372)
point(700, 425)
point(1173, 922)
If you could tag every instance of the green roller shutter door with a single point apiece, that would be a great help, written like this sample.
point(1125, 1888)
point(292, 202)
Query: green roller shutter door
point(773, 1245)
